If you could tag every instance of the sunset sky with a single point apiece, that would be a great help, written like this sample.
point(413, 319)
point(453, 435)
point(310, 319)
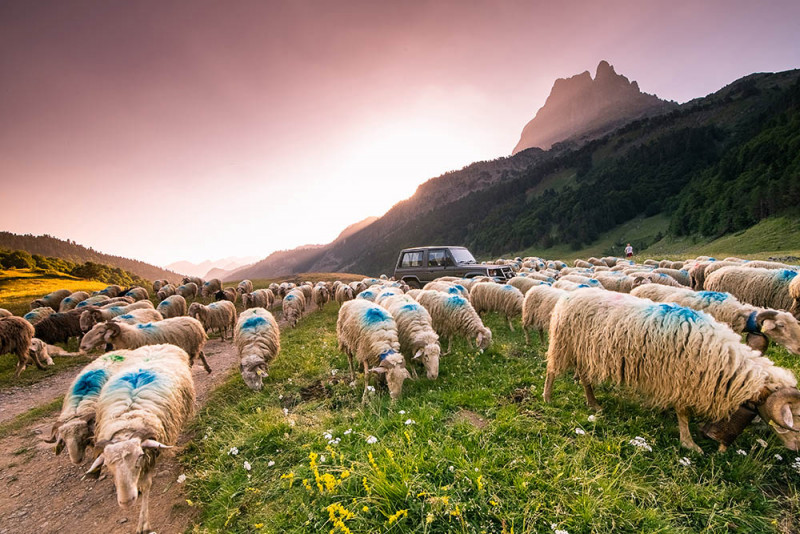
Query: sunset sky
point(193, 130)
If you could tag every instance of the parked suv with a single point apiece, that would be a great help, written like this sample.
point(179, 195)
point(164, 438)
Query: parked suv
point(419, 265)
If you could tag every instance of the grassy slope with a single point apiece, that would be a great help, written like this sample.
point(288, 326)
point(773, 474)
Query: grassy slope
point(18, 287)
point(475, 451)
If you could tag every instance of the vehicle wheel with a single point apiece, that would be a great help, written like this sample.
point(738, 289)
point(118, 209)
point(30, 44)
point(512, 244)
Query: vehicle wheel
point(413, 284)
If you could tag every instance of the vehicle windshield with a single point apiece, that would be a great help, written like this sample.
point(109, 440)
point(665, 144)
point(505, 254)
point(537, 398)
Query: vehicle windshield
point(462, 255)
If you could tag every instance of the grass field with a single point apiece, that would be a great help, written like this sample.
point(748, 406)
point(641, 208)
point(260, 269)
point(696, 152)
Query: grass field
point(18, 287)
point(475, 451)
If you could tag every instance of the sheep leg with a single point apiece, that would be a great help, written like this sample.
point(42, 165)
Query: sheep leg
point(449, 346)
point(144, 514)
point(548, 386)
point(588, 390)
point(527, 336)
point(510, 326)
point(366, 383)
point(541, 336)
point(683, 427)
point(205, 362)
point(350, 363)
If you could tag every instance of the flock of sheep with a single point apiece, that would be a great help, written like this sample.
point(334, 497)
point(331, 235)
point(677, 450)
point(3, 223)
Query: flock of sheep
point(670, 331)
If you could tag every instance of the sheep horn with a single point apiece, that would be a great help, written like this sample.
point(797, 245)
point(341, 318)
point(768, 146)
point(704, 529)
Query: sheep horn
point(778, 407)
point(53, 434)
point(60, 444)
point(418, 355)
point(153, 444)
point(766, 315)
point(95, 469)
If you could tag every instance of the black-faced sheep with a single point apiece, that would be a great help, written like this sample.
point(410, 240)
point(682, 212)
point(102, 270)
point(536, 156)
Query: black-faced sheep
point(59, 327)
point(230, 294)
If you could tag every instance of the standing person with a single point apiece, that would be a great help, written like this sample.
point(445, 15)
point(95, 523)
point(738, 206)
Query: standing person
point(629, 251)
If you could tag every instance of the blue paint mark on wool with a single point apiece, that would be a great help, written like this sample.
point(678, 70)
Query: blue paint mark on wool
point(786, 274)
point(126, 316)
point(288, 297)
point(253, 322)
point(375, 315)
point(145, 326)
point(507, 287)
point(453, 290)
point(30, 315)
point(385, 354)
point(366, 295)
point(409, 307)
point(115, 309)
point(90, 383)
point(163, 304)
point(455, 301)
point(673, 310)
point(137, 379)
point(712, 296)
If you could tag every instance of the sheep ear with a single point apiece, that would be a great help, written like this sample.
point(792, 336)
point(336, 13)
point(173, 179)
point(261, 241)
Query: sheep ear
point(786, 415)
point(378, 370)
point(153, 444)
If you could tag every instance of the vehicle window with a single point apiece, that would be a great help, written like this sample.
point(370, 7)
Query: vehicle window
point(437, 258)
point(462, 255)
point(412, 259)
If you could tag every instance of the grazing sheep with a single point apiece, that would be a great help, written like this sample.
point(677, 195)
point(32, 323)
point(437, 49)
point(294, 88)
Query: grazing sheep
point(758, 324)
point(768, 288)
point(37, 314)
point(580, 279)
point(74, 428)
point(5, 313)
point(59, 327)
point(503, 298)
point(116, 301)
point(654, 278)
point(15, 337)
point(110, 291)
point(260, 298)
point(230, 294)
point(140, 411)
point(358, 287)
point(569, 285)
point(415, 332)
point(185, 332)
point(320, 295)
point(537, 307)
point(448, 287)
point(72, 300)
point(258, 340)
point(187, 291)
point(582, 264)
point(757, 264)
point(219, 316)
point(93, 316)
point(196, 280)
point(670, 355)
point(96, 300)
point(166, 291)
point(210, 287)
point(307, 291)
point(174, 306)
point(95, 337)
point(454, 315)
point(343, 294)
point(137, 293)
point(367, 332)
point(158, 284)
point(245, 286)
point(525, 283)
point(51, 300)
point(387, 292)
point(293, 306)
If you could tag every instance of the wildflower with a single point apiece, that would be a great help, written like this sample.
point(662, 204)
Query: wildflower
point(280, 397)
point(205, 436)
point(181, 479)
point(329, 482)
point(366, 486)
point(592, 418)
point(580, 431)
point(740, 451)
point(234, 451)
point(270, 463)
point(685, 462)
point(762, 443)
point(478, 483)
point(189, 502)
point(286, 412)
point(372, 439)
point(365, 508)
point(429, 519)
point(334, 371)
point(344, 474)
point(327, 435)
point(410, 422)
point(641, 443)
point(451, 468)
point(494, 502)
point(322, 459)
point(258, 526)
point(288, 476)
point(371, 389)
point(402, 412)
point(396, 516)
point(372, 461)
point(338, 514)
point(778, 457)
point(307, 485)
point(247, 465)
point(348, 431)
point(796, 465)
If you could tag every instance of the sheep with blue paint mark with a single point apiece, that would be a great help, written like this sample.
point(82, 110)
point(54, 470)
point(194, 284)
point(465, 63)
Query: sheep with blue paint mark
point(184, 332)
point(174, 306)
point(258, 340)
point(672, 356)
point(230, 294)
point(166, 291)
point(219, 316)
point(196, 280)
point(74, 428)
point(293, 306)
point(140, 411)
point(767, 288)
point(758, 324)
point(368, 333)
point(569, 285)
point(524, 283)
point(679, 275)
point(72, 300)
point(344, 293)
point(158, 284)
point(37, 314)
point(51, 300)
point(95, 337)
point(245, 286)
point(15, 337)
point(110, 291)
point(580, 279)
point(415, 331)
point(96, 300)
point(387, 292)
point(210, 287)
point(92, 316)
point(453, 315)
point(448, 287)
point(368, 294)
point(537, 307)
point(260, 298)
point(614, 281)
point(137, 293)
point(502, 298)
point(187, 291)
point(654, 278)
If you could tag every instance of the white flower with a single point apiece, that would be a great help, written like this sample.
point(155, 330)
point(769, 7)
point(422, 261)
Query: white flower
point(322, 459)
point(686, 462)
point(247, 465)
point(348, 431)
point(778, 457)
point(270, 463)
point(371, 389)
point(762, 442)
point(290, 380)
point(334, 371)
point(402, 412)
point(372, 439)
point(181, 479)
point(796, 465)
point(410, 422)
point(205, 436)
point(740, 451)
point(234, 451)
point(327, 435)
point(641, 443)
point(451, 468)
point(556, 530)
point(286, 411)
point(580, 431)
point(291, 422)
point(280, 397)
point(592, 418)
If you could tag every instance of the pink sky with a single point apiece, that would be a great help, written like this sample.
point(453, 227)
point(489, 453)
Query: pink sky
point(190, 130)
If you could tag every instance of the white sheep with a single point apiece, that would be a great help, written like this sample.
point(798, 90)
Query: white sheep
point(368, 333)
point(415, 332)
point(211, 287)
point(453, 315)
point(5, 313)
point(293, 305)
point(110, 291)
point(174, 306)
point(260, 298)
point(187, 290)
point(768, 288)
point(158, 284)
point(613, 281)
point(537, 307)
point(38, 314)
point(98, 315)
point(137, 293)
point(185, 332)
point(95, 337)
point(166, 291)
point(503, 298)
point(52, 300)
point(258, 340)
point(220, 316)
point(245, 286)
point(96, 300)
point(344, 293)
point(794, 293)
point(140, 411)
point(320, 295)
point(670, 355)
point(72, 300)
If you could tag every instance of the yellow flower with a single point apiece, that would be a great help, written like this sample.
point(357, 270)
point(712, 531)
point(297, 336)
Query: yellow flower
point(329, 481)
point(338, 514)
point(456, 512)
point(344, 474)
point(366, 486)
point(494, 503)
point(372, 461)
point(258, 525)
point(190, 503)
point(408, 437)
point(365, 508)
point(307, 485)
point(429, 519)
point(396, 516)
point(289, 477)
point(478, 482)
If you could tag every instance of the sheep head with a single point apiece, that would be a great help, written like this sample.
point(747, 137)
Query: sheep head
point(76, 434)
point(254, 370)
point(781, 327)
point(126, 459)
point(484, 339)
point(429, 356)
point(88, 320)
point(93, 338)
point(393, 369)
point(781, 410)
point(112, 330)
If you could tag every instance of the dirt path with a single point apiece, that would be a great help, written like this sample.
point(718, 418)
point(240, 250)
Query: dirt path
point(17, 400)
point(43, 493)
